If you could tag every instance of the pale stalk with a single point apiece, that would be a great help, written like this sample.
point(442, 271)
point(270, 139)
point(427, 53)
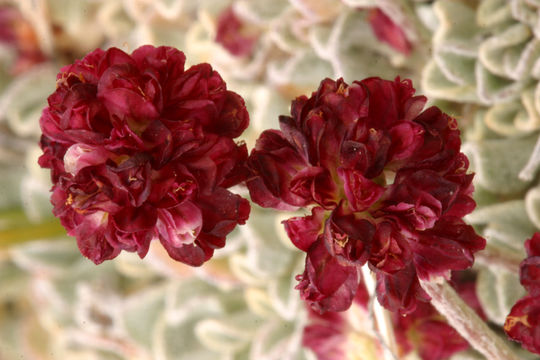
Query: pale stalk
point(466, 322)
point(381, 317)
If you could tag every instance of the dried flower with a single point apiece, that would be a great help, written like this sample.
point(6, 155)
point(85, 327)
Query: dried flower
point(17, 33)
point(140, 148)
point(343, 335)
point(426, 331)
point(387, 185)
point(389, 32)
point(234, 34)
point(523, 322)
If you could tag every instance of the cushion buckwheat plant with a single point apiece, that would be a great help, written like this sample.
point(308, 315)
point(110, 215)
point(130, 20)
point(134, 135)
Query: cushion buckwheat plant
point(141, 148)
point(386, 183)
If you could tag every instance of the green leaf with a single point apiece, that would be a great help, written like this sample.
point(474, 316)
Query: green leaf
point(497, 163)
point(228, 334)
point(141, 313)
point(507, 223)
point(498, 291)
point(47, 257)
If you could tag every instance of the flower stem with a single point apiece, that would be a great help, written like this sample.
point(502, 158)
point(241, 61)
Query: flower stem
point(381, 317)
point(466, 321)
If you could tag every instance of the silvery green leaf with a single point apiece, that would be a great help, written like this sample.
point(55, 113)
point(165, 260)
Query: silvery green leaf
point(47, 257)
point(97, 311)
point(141, 314)
point(497, 163)
point(484, 197)
point(10, 177)
point(504, 118)
point(457, 68)
point(22, 102)
point(301, 72)
point(524, 11)
point(531, 103)
point(75, 20)
point(36, 340)
point(258, 301)
point(192, 299)
point(493, 88)
point(35, 188)
point(265, 254)
point(241, 355)
point(278, 340)
point(10, 341)
point(436, 84)
point(493, 12)
point(426, 15)
point(14, 280)
point(177, 342)
point(132, 266)
point(510, 53)
point(115, 23)
point(283, 295)
point(261, 11)
point(167, 34)
point(478, 129)
point(349, 38)
point(264, 106)
point(532, 204)
point(498, 291)
point(457, 24)
point(455, 44)
point(317, 10)
point(507, 222)
point(228, 334)
point(59, 291)
point(242, 268)
point(284, 33)
point(356, 40)
point(169, 9)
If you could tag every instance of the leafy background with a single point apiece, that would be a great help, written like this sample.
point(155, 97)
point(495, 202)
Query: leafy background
point(478, 60)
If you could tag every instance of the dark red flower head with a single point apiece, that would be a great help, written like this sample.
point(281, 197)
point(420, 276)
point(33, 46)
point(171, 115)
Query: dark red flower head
point(425, 331)
point(388, 31)
point(17, 33)
point(523, 322)
point(387, 185)
point(235, 35)
point(141, 148)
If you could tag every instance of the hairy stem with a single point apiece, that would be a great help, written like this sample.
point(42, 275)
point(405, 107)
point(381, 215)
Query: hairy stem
point(466, 322)
point(381, 317)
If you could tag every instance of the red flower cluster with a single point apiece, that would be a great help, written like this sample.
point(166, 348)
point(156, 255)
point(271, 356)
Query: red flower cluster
point(235, 35)
point(388, 185)
point(331, 336)
point(426, 331)
point(389, 32)
point(17, 33)
point(523, 322)
point(141, 148)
